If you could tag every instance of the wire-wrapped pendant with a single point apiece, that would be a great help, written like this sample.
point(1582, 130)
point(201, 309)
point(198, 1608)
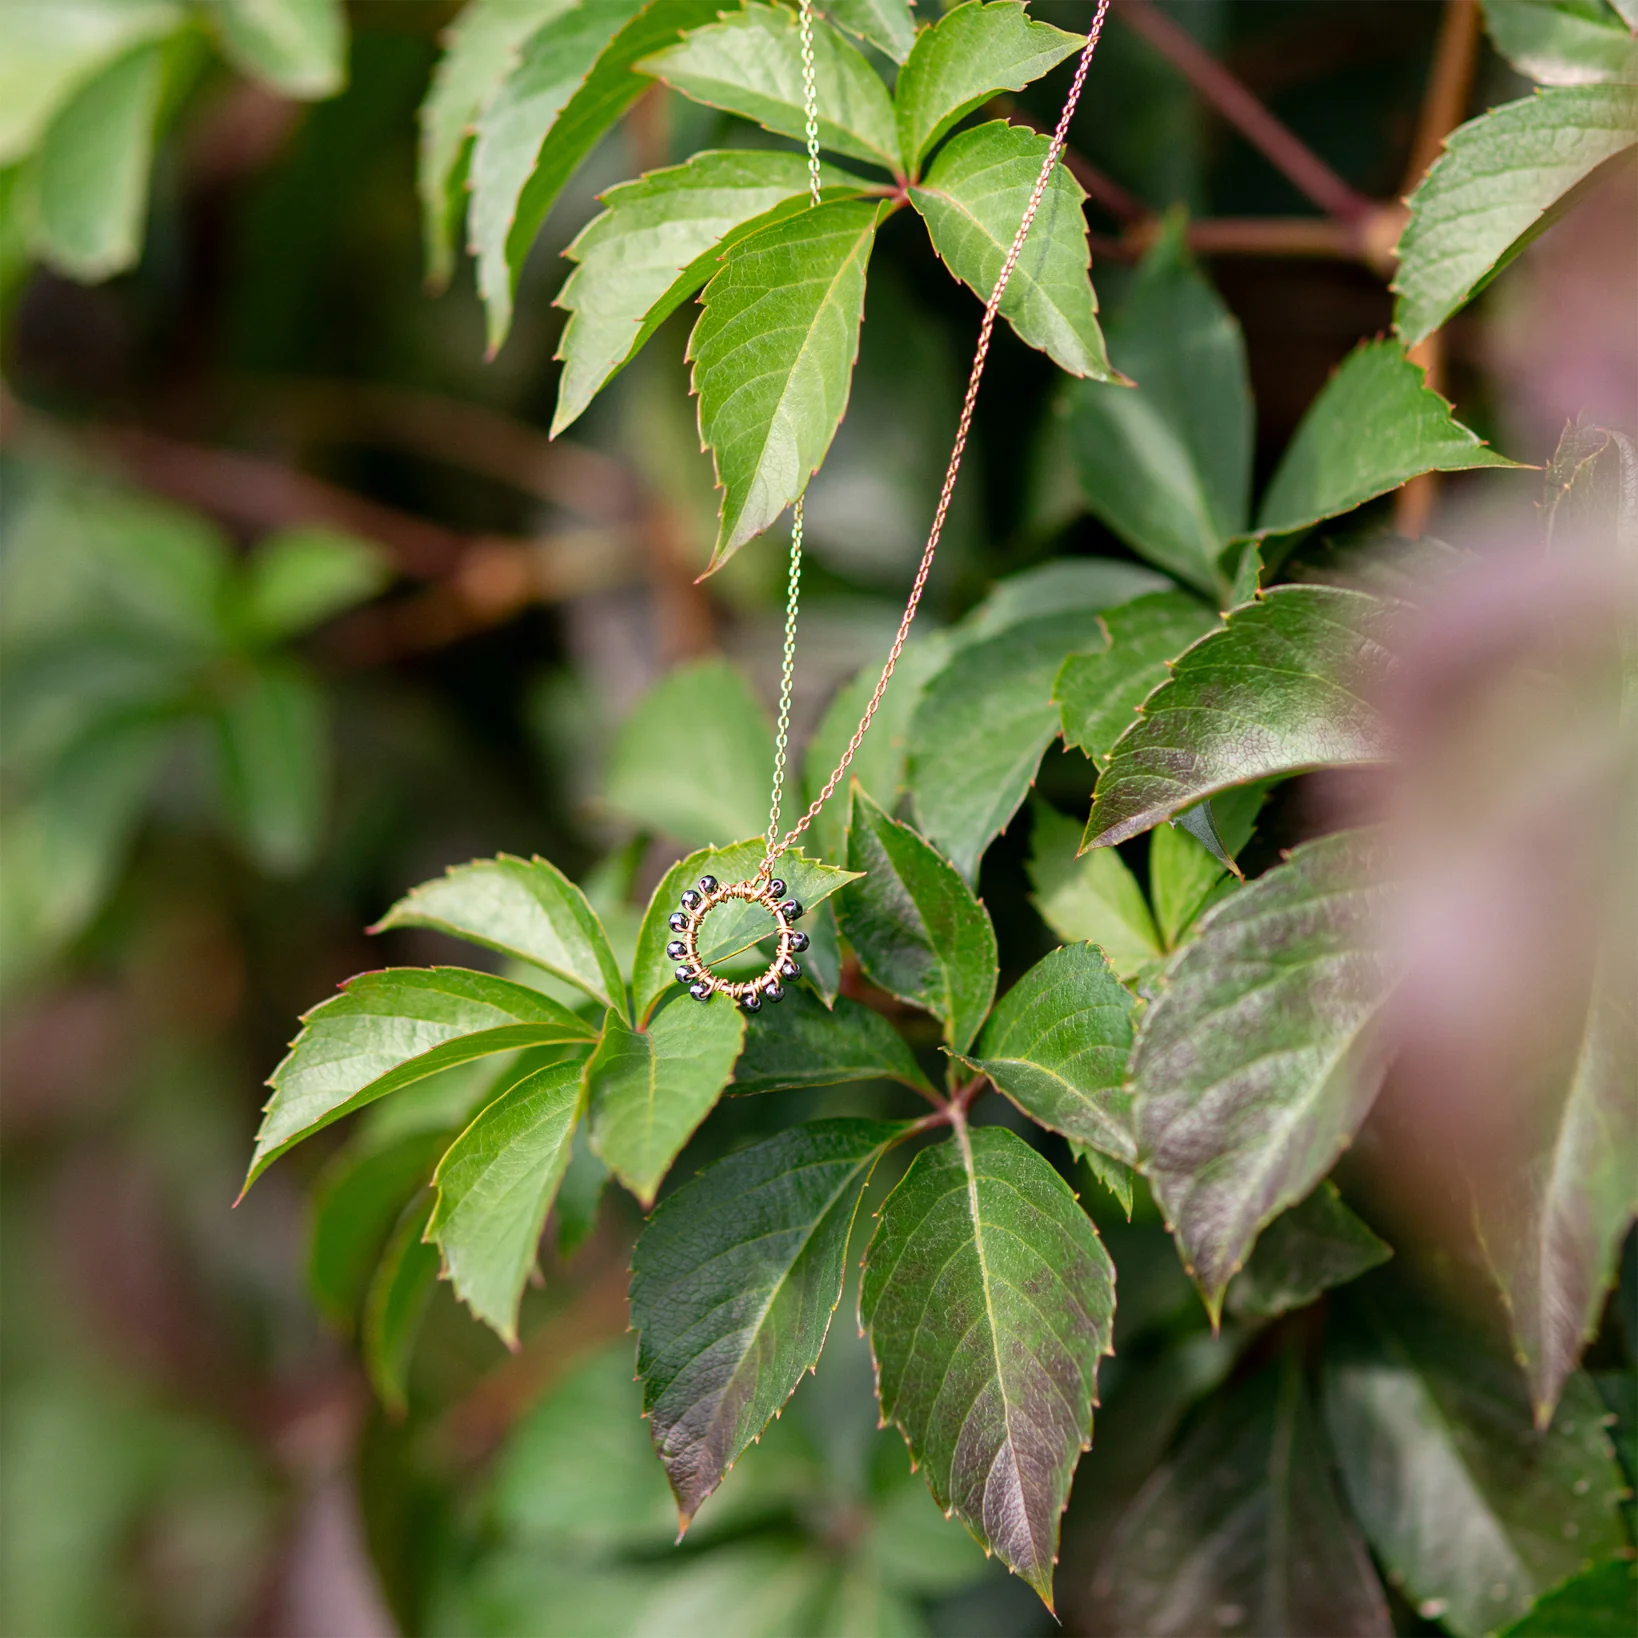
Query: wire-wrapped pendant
point(698, 902)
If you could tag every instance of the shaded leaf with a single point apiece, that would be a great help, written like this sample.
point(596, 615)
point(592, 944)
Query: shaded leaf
point(1315, 1245)
point(968, 55)
point(656, 242)
point(973, 198)
point(1375, 425)
point(886, 24)
point(580, 1194)
point(1115, 1175)
point(1263, 1052)
point(1242, 1531)
point(298, 47)
point(395, 1305)
point(299, 578)
point(1598, 1603)
point(1057, 1045)
point(917, 929)
point(734, 1281)
point(750, 63)
point(1056, 587)
point(1470, 1508)
point(390, 1029)
point(495, 1185)
point(649, 1088)
point(802, 1043)
point(773, 355)
point(1503, 179)
point(1284, 686)
point(1563, 42)
point(1092, 897)
point(1099, 691)
point(527, 909)
point(1186, 876)
point(989, 1299)
point(1167, 464)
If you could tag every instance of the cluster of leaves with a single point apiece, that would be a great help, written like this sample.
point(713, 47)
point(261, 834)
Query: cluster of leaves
point(136, 645)
point(88, 86)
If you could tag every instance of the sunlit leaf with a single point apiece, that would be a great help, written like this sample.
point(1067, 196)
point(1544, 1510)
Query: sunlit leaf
point(298, 47)
point(802, 1043)
point(1564, 42)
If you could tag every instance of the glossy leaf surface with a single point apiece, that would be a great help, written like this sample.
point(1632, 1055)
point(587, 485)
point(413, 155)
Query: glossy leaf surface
point(802, 1043)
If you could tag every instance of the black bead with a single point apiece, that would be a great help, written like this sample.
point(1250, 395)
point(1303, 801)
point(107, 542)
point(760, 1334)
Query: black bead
point(701, 991)
point(685, 975)
point(691, 900)
point(775, 992)
point(708, 884)
point(792, 910)
point(799, 942)
point(678, 921)
point(789, 969)
point(776, 888)
point(676, 949)
point(750, 1002)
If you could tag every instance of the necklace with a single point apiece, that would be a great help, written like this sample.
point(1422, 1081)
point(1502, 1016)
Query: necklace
point(766, 889)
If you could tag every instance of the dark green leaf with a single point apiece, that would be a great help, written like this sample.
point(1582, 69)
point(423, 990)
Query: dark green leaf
point(751, 64)
point(731, 926)
point(915, 925)
point(968, 55)
point(1285, 686)
point(395, 1305)
point(1243, 1530)
point(299, 578)
point(1599, 1603)
point(657, 241)
point(495, 1185)
point(982, 726)
point(1263, 1052)
point(1099, 691)
point(1563, 42)
point(802, 1043)
point(649, 1088)
point(1186, 877)
point(773, 356)
point(298, 47)
point(1167, 464)
point(1375, 425)
point(1057, 1045)
point(1092, 897)
point(1315, 1245)
point(886, 24)
point(989, 1300)
point(700, 716)
point(973, 199)
point(1471, 1509)
point(273, 750)
point(390, 1029)
point(1503, 179)
point(733, 1284)
point(1115, 1175)
point(580, 1194)
point(527, 909)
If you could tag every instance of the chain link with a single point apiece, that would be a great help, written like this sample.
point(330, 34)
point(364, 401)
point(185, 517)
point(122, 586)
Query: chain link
point(981, 353)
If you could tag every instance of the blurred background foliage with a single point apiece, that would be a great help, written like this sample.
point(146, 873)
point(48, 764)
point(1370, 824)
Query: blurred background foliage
point(300, 607)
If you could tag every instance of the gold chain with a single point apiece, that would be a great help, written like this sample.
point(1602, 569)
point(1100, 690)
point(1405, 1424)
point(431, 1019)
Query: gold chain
point(810, 105)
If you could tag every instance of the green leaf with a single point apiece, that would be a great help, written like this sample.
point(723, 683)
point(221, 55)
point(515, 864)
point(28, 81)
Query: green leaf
point(699, 716)
point(481, 48)
point(573, 82)
point(1563, 42)
point(969, 54)
point(886, 24)
point(1056, 587)
point(1167, 464)
point(390, 1029)
point(1375, 425)
point(580, 1194)
point(1057, 1045)
point(360, 1196)
point(733, 1283)
point(299, 578)
point(973, 199)
point(273, 762)
point(1286, 685)
point(1473, 1512)
point(89, 181)
point(649, 1088)
point(802, 1043)
point(527, 909)
point(1186, 876)
point(1115, 1175)
point(1503, 179)
point(917, 929)
point(989, 1300)
point(1315, 1245)
point(1263, 1053)
point(980, 731)
point(731, 926)
point(773, 355)
point(1243, 1531)
point(396, 1304)
point(298, 47)
point(495, 1185)
point(657, 241)
point(1599, 1603)
point(50, 48)
point(750, 63)
point(1099, 692)
point(1093, 897)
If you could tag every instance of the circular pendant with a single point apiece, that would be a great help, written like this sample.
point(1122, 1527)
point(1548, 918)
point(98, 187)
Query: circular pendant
point(698, 903)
